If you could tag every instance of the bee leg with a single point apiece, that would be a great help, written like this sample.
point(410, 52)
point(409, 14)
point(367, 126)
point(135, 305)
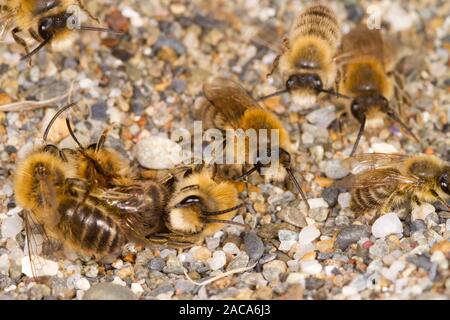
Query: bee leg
point(20, 41)
point(83, 7)
point(360, 133)
point(274, 65)
point(34, 35)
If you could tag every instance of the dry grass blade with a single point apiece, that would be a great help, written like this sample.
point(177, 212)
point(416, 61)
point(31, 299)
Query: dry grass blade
point(31, 105)
point(220, 276)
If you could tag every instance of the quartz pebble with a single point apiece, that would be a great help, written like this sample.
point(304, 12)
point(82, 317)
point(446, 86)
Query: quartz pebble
point(41, 267)
point(387, 224)
point(217, 261)
point(158, 153)
point(82, 284)
point(344, 200)
point(351, 234)
point(231, 248)
point(108, 291)
point(334, 170)
point(310, 267)
point(273, 269)
point(422, 212)
point(308, 235)
point(317, 203)
point(11, 226)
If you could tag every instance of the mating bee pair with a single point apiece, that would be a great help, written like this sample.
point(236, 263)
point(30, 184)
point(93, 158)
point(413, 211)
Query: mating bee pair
point(91, 200)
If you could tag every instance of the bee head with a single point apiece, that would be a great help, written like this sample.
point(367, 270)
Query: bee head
point(362, 104)
point(444, 181)
point(48, 26)
point(304, 81)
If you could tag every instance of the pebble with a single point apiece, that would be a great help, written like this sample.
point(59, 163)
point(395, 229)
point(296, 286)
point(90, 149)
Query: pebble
point(41, 267)
point(157, 152)
point(383, 148)
point(11, 226)
point(98, 111)
point(379, 248)
point(212, 243)
point(319, 214)
point(308, 235)
point(296, 278)
point(351, 234)
point(287, 235)
point(241, 261)
point(173, 265)
point(418, 225)
point(273, 269)
point(310, 267)
point(82, 284)
point(254, 247)
point(334, 170)
point(344, 200)
point(137, 289)
point(231, 248)
point(322, 117)
point(292, 216)
point(157, 264)
point(317, 203)
point(4, 264)
point(200, 253)
point(422, 261)
point(330, 195)
point(422, 212)
point(217, 261)
point(109, 291)
point(386, 225)
point(184, 286)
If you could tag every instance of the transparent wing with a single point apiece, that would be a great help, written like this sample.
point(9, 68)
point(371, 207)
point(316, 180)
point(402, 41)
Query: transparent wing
point(368, 161)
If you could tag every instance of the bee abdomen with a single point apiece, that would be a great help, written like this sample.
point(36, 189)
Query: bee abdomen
point(363, 200)
point(318, 21)
point(90, 229)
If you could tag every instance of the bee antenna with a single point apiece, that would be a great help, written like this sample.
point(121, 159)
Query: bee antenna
point(216, 213)
point(57, 114)
point(72, 134)
point(360, 133)
point(97, 29)
point(297, 185)
point(249, 172)
point(396, 118)
point(35, 50)
point(228, 222)
point(276, 93)
point(335, 93)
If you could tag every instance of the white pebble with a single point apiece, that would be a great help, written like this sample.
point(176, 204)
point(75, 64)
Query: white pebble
point(287, 235)
point(157, 152)
point(422, 211)
point(4, 264)
point(217, 261)
point(11, 226)
point(82, 284)
point(382, 147)
point(285, 246)
point(387, 224)
point(119, 281)
point(7, 190)
point(349, 291)
point(42, 267)
point(447, 224)
point(344, 200)
point(86, 83)
point(231, 248)
point(317, 203)
point(137, 289)
point(164, 253)
point(308, 235)
point(304, 249)
point(310, 267)
point(296, 278)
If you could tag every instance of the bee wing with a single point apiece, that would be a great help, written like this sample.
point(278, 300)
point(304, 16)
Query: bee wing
point(376, 178)
point(367, 161)
point(361, 41)
point(228, 100)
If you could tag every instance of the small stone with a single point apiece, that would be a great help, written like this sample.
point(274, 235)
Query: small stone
point(157, 264)
point(330, 195)
point(325, 246)
point(241, 261)
point(173, 265)
point(108, 291)
point(4, 264)
point(334, 170)
point(157, 152)
point(11, 226)
point(41, 267)
point(304, 249)
point(322, 117)
point(200, 253)
point(317, 203)
point(212, 243)
point(422, 211)
point(342, 221)
point(82, 284)
point(344, 200)
point(308, 235)
point(292, 216)
point(379, 249)
point(231, 248)
point(137, 289)
point(287, 235)
point(418, 225)
point(386, 225)
point(217, 261)
point(351, 234)
point(273, 269)
point(296, 278)
point(383, 148)
point(310, 267)
point(253, 245)
point(421, 261)
point(98, 111)
point(319, 214)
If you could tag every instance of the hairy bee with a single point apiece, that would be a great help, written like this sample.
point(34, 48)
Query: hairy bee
point(48, 22)
point(366, 77)
point(388, 182)
point(307, 64)
point(231, 107)
point(199, 205)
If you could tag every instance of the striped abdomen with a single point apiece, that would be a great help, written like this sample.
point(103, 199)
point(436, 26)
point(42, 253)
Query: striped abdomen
point(367, 199)
point(89, 229)
point(317, 21)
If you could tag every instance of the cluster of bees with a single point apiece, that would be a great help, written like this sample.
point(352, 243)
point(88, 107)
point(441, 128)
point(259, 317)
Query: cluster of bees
point(90, 199)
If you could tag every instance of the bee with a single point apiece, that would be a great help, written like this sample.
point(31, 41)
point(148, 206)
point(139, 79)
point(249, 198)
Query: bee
point(231, 107)
point(48, 22)
point(366, 77)
point(307, 64)
point(387, 182)
point(199, 206)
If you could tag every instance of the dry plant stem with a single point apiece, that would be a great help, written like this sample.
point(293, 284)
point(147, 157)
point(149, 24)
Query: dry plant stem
point(220, 276)
point(31, 105)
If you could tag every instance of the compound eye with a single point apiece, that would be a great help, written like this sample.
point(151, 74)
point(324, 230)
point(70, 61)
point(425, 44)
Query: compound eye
point(445, 183)
point(317, 84)
point(188, 201)
point(45, 24)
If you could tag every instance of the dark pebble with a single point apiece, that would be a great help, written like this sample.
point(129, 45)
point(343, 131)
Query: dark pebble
point(178, 85)
point(432, 217)
point(351, 235)
point(98, 111)
point(421, 261)
point(324, 256)
point(418, 225)
point(313, 283)
point(121, 54)
point(10, 149)
point(354, 12)
point(172, 43)
point(254, 246)
point(157, 263)
point(330, 195)
point(162, 289)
